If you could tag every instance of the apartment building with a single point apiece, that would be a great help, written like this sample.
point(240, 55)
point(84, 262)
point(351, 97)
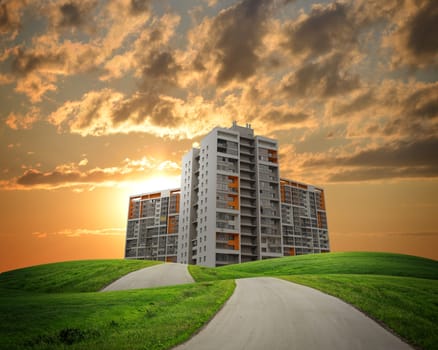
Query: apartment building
point(232, 207)
point(303, 218)
point(152, 230)
point(233, 202)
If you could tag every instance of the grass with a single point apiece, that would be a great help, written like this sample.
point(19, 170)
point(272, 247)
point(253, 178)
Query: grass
point(332, 263)
point(71, 276)
point(400, 291)
point(407, 305)
point(157, 318)
point(57, 306)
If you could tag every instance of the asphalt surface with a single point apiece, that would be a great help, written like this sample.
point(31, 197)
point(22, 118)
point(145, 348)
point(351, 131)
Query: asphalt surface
point(269, 313)
point(155, 276)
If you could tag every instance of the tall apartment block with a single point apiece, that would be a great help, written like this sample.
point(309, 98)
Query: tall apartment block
point(233, 207)
point(303, 218)
point(152, 230)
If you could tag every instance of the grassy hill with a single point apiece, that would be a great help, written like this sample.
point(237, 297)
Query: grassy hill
point(57, 306)
point(71, 276)
point(319, 264)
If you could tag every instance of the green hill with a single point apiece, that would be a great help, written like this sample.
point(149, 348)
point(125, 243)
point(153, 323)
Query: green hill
point(332, 263)
point(56, 306)
point(70, 276)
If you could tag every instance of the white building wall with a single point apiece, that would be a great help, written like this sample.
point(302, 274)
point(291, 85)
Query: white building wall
point(187, 214)
point(213, 235)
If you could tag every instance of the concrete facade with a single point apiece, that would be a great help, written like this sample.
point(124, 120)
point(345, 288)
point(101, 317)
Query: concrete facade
point(233, 207)
point(152, 229)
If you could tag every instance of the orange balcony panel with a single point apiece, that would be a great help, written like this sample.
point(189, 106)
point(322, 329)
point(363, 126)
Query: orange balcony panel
point(234, 242)
point(235, 201)
point(151, 196)
point(234, 182)
point(171, 225)
point(322, 201)
point(282, 192)
point(319, 220)
point(177, 202)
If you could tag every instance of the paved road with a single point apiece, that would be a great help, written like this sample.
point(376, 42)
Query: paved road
point(155, 276)
point(268, 313)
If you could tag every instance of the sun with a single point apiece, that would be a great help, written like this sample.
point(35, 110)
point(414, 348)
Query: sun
point(153, 184)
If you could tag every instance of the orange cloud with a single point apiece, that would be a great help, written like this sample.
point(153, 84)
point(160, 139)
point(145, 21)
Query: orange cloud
point(82, 232)
point(73, 176)
point(19, 121)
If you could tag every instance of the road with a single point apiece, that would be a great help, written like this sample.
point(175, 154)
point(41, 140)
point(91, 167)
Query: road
point(269, 313)
point(155, 276)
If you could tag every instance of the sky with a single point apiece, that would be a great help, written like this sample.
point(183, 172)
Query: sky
point(99, 100)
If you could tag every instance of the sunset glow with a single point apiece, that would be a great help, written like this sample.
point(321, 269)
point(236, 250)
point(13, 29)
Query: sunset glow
point(99, 100)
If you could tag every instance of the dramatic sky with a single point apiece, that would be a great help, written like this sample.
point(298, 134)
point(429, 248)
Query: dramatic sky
point(100, 100)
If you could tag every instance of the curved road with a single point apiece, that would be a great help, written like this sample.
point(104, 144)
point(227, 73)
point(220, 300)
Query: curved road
point(154, 276)
point(269, 313)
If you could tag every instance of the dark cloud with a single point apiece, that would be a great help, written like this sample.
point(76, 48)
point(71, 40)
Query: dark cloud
point(400, 159)
point(27, 62)
point(233, 39)
point(70, 15)
point(159, 74)
point(326, 28)
point(61, 177)
point(279, 116)
point(415, 42)
point(161, 66)
point(146, 105)
point(369, 174)
point(422, 103)
point(4, 18)
point(359, 103)
point(73, 14)
point(326, 78)
point(35, 177)
point(10, 17)
point(422, 37)
point(139, 6)
point(415, 159)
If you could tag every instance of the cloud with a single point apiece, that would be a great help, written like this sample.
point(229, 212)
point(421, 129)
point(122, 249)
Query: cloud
point(359, 102)
point(26, 62)
point(79, 232)
point(422, 103)
point(227, 45)
point(370, 174)
point(401, 159)
point(72, 14)
point(92, 113)
point(326, 28)
point(325, 78)
point(393, 110)
point(37, 67)
point(159, 68)
point(73, 175)
point(140, 6)
point(151, 48)
point(414, 42)
point(108, 112)
point(10, 17)
point(17, 121)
